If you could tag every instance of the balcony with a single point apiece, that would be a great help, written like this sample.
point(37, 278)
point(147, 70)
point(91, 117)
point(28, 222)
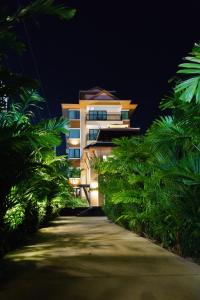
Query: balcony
point(104, 117)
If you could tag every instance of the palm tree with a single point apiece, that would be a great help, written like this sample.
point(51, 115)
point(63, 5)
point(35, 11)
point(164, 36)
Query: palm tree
point(152, 183)
point(12, 83)
point(21, 142)
point(25, 147)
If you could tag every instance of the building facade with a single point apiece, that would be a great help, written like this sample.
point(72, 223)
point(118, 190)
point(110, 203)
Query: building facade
point(93, 122)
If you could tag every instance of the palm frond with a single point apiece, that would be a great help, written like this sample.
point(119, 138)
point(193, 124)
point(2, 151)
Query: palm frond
point(190, 87)
point(43, 7)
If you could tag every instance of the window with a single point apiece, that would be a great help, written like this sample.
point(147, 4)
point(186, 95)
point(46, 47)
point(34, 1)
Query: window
point(97, 115)
point(74, 133)
point(74, 114)
point(93, 134)
point(74, 153)
point(124, 115)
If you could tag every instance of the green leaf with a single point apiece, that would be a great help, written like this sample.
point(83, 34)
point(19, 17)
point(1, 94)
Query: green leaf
point(188, 71)
point(193, 59)
point(185, 84)
point(47, 7)
point(189, 93)
point(198, 93)
point(189, 88)
point(188, 65)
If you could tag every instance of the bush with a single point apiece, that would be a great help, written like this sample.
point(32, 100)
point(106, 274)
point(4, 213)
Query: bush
point(152, 182)
point(76, 202)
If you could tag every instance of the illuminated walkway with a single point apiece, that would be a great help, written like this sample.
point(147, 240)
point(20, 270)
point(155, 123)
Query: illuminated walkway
point(90, 258)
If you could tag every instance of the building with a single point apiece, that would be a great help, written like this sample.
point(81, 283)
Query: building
point(99, 117)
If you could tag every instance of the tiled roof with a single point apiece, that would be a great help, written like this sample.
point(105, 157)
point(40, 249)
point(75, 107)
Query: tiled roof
point(97, 93)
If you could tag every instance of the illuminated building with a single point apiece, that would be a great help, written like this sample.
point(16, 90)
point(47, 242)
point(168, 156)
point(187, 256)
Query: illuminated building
point(93, 122)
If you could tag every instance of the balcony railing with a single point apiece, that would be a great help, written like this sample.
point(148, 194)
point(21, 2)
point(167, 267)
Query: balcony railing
point(104, 117)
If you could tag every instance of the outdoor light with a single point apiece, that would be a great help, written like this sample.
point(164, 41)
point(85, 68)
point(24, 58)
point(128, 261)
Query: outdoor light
point(74, 181)
point(94, 185)
point(74, 142)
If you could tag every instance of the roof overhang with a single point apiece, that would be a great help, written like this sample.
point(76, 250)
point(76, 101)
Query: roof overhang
point(108, 134)
point(99, 144)
point(125, 104)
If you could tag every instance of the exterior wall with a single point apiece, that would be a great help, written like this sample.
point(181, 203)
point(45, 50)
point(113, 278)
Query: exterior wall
point(126, 122)
point(103, 124)
point(74, 124)
point(109, 108)
point(113, 108)
point(83, 129)
point(72, 142)
point(96, 198)
point(75, 163)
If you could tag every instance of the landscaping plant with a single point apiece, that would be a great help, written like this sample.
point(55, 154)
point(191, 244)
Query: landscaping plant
point(33, 180)
point(156, 184)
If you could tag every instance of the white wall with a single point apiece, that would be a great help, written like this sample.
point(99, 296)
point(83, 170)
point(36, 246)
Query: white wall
point(108, 108)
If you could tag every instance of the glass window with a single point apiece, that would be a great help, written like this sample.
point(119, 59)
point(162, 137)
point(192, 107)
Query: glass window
point(124, 115)
point(74, 153)
point(93, 134)
point(93, 115)
point(97, 115)
point(102, 115)
point(74, 133)
point(74, 114)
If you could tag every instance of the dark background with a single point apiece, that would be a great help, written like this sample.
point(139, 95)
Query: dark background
point(132, 47)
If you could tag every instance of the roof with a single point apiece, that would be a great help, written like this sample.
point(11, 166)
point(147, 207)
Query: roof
point(99, 96)
point(97, 93)
point(107, 134)
point(100, 144)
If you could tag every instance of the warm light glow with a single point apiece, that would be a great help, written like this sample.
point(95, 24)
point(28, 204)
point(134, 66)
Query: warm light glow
point(94, 198)
point(74, 181)
point(118, 126)
point(94, 185)
point(74, 142)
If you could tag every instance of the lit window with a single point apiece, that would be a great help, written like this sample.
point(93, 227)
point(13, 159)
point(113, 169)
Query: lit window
point(124, 115)
point(74, 153)
point(74, 114)
point(74, 133)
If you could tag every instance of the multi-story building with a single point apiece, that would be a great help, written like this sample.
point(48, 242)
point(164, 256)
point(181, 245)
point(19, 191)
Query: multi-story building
point(93, 122)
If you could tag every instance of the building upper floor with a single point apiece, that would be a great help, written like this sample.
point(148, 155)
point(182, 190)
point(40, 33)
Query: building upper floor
point(97, 109)
point(98, 105)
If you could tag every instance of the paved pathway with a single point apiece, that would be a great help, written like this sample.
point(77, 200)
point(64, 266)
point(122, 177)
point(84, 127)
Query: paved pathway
point(90, 258)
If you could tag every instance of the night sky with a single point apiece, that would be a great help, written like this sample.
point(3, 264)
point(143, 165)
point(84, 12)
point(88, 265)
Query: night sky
point(132, 47)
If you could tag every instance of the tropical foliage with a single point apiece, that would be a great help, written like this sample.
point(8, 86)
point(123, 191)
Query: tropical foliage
point(156, 184)
point(12, 83)
point(33, 180)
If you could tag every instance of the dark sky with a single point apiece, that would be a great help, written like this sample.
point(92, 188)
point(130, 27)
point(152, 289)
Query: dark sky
point(129, 46)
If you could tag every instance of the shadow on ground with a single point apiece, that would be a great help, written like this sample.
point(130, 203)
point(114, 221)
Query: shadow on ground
point(88, 259)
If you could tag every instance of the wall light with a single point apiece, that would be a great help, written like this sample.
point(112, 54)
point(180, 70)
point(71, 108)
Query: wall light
point(74, 142)
point(74, 181)
point(94, 185)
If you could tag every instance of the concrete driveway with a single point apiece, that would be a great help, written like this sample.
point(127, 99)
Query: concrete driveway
point(89, 258)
